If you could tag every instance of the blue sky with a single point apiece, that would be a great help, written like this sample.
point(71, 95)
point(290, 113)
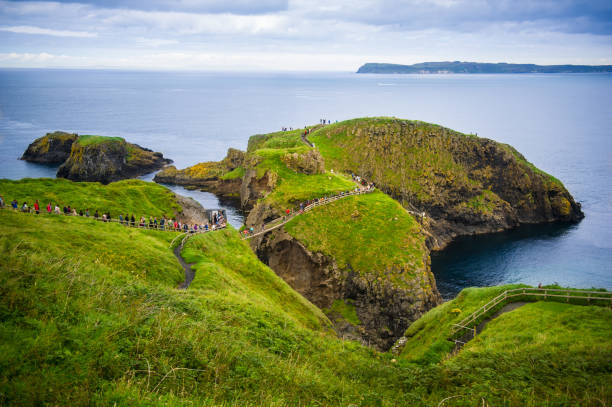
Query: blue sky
point(322, 35)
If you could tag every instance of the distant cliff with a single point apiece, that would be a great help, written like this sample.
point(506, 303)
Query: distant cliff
point(478, 67)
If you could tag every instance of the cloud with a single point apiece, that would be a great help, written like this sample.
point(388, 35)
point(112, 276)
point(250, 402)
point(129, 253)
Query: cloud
point(242, 7)
point(27, 29)
point(301, 34)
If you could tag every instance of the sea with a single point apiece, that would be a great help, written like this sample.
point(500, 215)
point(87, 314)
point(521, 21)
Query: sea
point(560, 122)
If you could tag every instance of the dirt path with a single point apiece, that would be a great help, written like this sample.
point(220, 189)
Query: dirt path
point(189, 273)
point(506, 308)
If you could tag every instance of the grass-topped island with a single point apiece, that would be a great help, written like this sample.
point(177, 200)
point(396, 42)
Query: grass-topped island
point(93, 158)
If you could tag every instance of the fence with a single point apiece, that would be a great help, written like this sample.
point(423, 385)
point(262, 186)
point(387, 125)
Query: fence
point(278, 222)
point(470, 322)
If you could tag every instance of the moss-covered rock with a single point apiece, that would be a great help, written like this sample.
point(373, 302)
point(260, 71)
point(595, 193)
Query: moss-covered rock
point(108, 159)
point(52, 148)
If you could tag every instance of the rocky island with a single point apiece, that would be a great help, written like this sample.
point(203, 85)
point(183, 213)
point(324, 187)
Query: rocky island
point(94, 158)
point(365, 259)
point(459, 67)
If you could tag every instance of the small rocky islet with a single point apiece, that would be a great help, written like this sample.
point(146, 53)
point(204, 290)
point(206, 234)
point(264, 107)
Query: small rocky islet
point(369, 256)
point(93, 158)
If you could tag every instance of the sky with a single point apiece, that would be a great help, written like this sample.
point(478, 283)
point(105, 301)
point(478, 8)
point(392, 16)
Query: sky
point(300, 35)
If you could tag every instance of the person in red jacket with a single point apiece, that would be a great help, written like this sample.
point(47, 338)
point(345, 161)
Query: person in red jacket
point(37, 207)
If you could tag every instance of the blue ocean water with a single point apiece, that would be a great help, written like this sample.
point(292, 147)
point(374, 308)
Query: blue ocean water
point(562, 123)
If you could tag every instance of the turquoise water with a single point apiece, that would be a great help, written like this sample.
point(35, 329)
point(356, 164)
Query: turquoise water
point(561, 123)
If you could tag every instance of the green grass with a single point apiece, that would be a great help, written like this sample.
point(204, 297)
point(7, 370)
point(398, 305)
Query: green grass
point(346, 310)
point(369, 233)
point(281, 139)
point(86, 140)
point(428, 336)
point(558, 354)
point(237, 172)
point(90, 315)
point(128, 196)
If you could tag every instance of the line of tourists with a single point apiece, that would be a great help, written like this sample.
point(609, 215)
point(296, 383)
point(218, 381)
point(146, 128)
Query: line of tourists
point(152, 222)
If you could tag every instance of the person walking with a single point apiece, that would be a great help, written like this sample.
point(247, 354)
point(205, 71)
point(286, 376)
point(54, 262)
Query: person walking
point(49, 208)
point(36, 207)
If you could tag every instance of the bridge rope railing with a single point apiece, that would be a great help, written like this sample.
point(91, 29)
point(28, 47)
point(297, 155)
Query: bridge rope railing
point(470, 322)
point(278, 222)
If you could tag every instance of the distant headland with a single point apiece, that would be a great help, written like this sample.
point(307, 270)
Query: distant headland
point(478, 67)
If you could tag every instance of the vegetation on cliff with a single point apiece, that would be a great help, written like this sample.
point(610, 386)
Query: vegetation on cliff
point(464, 183)
point(52, 148)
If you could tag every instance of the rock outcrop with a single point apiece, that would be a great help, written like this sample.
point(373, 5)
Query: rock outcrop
point(52, 148)
point(223, 178)
point(108, 160)
point(310, 162)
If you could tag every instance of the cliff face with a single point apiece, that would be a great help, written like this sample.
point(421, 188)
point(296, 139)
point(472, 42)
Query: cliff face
point(108, 160)
point(464, 184)
point(53, 148)
point(384, 308)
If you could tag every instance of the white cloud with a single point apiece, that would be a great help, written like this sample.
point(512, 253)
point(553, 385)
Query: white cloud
point(28, 29)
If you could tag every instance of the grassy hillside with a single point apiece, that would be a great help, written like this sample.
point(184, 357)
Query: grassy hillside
point(368, 233)
point(89, 315)
point(540, 354)
point(133, 196)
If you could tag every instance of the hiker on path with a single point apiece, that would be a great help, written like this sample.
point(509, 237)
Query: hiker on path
point(24, 207)
point(1, 202)
point(14, 204)
point(132, 220)
point(36, 207)
point(57, 209)
point(49, 208)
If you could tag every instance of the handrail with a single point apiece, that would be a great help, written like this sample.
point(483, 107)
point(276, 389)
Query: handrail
point(323, 201)
point(528, 291)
